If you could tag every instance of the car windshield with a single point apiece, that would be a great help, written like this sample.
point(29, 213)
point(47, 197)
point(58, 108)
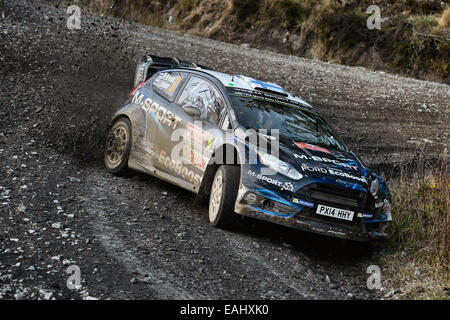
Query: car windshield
point(294, 123)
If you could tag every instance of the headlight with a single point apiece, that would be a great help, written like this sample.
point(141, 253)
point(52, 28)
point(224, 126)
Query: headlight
point(374, 188)
point(280, 166)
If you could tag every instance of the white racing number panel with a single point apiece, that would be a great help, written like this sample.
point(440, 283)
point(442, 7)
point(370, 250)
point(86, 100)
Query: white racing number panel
point(334, 212)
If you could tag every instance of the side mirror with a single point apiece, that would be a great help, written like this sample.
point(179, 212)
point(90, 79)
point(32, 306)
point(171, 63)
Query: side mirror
point(192, 111)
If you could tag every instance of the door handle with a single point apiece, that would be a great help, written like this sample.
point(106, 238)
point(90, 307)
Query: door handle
point(170, 115)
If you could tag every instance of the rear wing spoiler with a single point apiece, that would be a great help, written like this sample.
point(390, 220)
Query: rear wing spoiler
point(149, 64)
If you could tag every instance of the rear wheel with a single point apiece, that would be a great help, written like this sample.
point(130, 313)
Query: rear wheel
point(223, 195)
point(118, 146)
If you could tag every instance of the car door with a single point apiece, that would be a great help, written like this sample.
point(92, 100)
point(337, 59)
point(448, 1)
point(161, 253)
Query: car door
point(187, 151)
point(156, 104)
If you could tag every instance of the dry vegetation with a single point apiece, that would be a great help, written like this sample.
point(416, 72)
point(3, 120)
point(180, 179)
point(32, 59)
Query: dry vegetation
point(414, 39)
point(445, 18)
point(416, 262)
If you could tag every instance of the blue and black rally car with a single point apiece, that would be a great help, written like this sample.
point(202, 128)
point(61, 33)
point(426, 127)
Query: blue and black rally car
point(248, 148)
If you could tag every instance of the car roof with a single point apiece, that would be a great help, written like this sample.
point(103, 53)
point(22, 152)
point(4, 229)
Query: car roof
point(248, 83)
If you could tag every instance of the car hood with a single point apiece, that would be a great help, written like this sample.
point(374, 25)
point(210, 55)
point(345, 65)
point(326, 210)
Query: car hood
point(312, 161)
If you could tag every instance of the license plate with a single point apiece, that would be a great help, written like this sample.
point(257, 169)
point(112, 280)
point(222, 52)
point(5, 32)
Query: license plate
point(335, 212)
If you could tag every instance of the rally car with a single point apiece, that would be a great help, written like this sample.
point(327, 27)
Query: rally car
point(248, 148)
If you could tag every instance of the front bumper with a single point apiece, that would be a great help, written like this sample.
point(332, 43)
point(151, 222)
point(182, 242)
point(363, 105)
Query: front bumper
point(304, 218)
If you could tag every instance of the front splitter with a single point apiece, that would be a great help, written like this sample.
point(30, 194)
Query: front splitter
point(304, 224)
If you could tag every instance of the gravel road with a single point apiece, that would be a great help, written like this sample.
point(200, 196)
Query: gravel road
point(137, 237)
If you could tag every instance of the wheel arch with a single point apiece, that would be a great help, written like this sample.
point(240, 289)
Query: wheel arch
point(208, 176)
point(119, 116)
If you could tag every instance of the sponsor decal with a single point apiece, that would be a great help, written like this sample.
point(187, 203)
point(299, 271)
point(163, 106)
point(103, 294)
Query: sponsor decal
point(309, 168)
point(346, 175)
point(303, 145)
point(303, 202)
point(175, 84)
point(167, 82)
point(289, 186)
point(305, 167)
point(364, 215)
point(195, 157)
point(266, 97)
point(153, 107)
point(325, 160)
point(199, 136)
point(179, 168)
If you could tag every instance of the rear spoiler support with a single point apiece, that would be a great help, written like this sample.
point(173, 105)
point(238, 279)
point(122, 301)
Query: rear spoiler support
point(149, 64)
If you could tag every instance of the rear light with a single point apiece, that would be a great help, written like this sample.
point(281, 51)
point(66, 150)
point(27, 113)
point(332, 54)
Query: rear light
point(138, 86)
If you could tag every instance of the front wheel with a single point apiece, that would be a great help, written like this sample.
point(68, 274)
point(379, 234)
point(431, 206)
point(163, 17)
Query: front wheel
point(118, 146)
point(223, 195)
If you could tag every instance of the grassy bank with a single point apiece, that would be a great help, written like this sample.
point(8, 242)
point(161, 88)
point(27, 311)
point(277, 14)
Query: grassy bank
point(414, 39)
point(415, 264)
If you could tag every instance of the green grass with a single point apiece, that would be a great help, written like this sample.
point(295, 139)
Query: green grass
point(425, 23)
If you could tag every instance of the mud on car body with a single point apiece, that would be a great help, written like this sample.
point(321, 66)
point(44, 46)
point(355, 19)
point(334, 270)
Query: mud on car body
point(248, 148)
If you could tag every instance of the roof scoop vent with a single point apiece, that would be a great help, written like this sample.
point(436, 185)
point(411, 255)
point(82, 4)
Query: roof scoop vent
point(272, 92)
point(259, 85)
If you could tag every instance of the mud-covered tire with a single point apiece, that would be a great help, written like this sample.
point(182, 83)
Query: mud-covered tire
point(223, 195)
point(118, 146)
